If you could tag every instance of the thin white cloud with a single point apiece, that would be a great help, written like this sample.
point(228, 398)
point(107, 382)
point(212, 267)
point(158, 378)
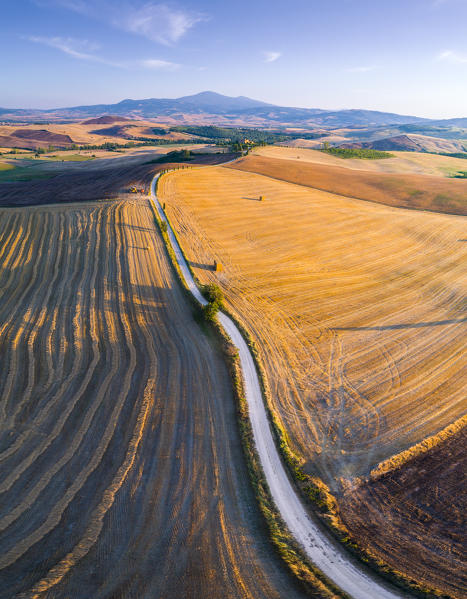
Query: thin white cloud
point(84, 50)
point(362, 69)
point(271, 56)
point(159, 22)
point(454, 57)
point(157, 64)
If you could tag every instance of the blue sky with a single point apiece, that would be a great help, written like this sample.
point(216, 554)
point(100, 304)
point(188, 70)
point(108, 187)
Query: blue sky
point(406, 56)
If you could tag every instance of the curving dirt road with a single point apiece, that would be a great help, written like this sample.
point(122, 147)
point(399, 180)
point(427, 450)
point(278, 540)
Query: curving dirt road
point(330, 558)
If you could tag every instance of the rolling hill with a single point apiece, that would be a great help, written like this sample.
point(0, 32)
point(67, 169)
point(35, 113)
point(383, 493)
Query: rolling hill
point(410, 143)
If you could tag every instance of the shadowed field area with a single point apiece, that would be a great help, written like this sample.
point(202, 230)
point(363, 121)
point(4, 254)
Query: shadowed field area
point(419, 512)
point(121, 467)
point(91, 180)
point(421, 192)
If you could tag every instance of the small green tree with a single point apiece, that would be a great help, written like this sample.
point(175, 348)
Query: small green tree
point(213, 294)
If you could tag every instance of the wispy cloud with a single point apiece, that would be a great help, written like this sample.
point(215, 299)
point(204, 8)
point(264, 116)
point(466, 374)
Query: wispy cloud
point(85, 50)
point(454, 57)
point(74, 47)
point(159, 22)
point(271, 56)
point(362, 69)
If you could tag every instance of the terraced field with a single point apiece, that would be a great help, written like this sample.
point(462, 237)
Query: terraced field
point(121, 469)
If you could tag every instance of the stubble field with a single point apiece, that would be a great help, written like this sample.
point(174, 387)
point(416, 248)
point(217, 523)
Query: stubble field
point(404, 190)
point(416, 163)
point(359, 313)
point(121, 467)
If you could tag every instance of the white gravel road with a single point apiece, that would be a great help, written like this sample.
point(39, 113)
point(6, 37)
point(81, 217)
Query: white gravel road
point(327, 555)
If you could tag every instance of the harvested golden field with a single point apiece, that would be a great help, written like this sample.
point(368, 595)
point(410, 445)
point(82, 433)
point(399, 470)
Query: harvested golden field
point(121, 466)
point(422, 192)
point(358, 308)
point(403, 162)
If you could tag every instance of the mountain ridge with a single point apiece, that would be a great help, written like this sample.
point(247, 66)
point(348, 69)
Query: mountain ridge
point(222, 109)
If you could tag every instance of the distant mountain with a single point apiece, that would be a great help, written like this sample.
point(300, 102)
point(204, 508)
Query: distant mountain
point(462, 123)
point(213, 108)
point(213, 101)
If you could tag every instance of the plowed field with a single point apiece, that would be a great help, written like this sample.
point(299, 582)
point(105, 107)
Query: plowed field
point(121, 468)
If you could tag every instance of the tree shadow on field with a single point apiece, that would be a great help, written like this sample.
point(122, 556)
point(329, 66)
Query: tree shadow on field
point(137, 227)
point(395, 327)
point(201, 265)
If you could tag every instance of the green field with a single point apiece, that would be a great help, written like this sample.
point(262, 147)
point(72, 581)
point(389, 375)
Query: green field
point(69, 158)
point(363, 153)
point(10, 172)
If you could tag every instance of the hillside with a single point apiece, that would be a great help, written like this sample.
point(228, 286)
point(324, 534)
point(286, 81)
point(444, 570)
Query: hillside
point(34, 138)
point(106, 120)
point(405, 190)
point(410, 143)
point(420, 163)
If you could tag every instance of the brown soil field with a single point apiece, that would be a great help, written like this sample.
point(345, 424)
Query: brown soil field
point(419, 163)
point(416, 516)
point(421, 192)
point(358, 310)
point(91, 180)
point(34, 138)
point(122, 470)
